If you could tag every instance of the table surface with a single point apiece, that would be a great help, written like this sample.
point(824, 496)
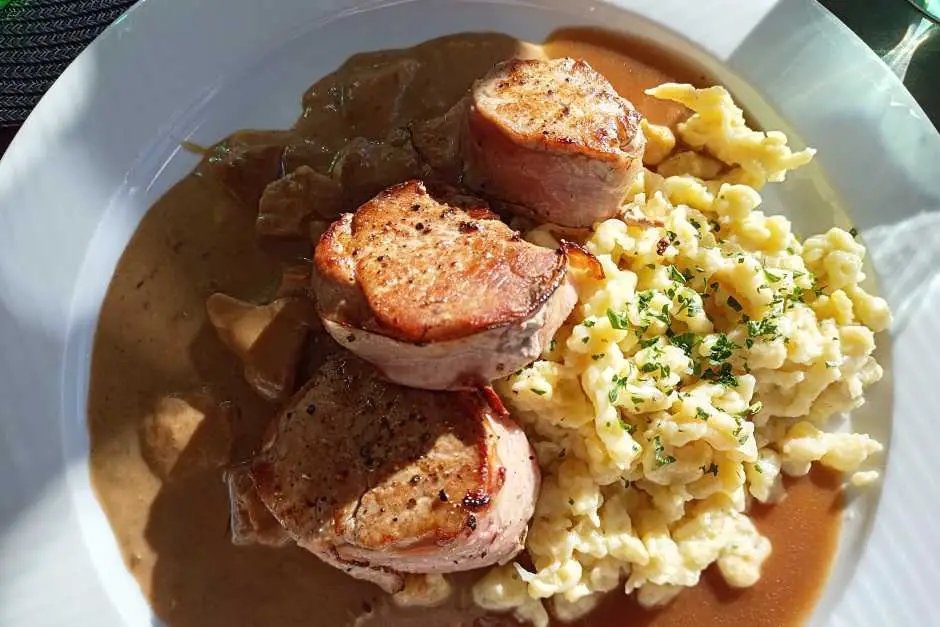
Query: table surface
point(880, 23)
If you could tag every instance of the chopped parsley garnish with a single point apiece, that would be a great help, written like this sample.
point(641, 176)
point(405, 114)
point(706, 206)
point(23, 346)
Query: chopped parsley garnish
point(853, 232)
point(752, 410)
point(734, 304)
point(618, 320)
point(758, 468)
point(710, 470)
point(695, 223)
point(688, 304)
point(652, 366)
point(539, 392)
point(764, 328)
point(649, 342)
point(739, 433)
point(585, 339)
point(598, 356)
point(701, 414)
point(643, 299)
point(773, 278)
point(685, 341)
point(551, 345)
point(675, 275)
point(797, 294)
point(589, 323)
point(722, 348)
point(658, 450)
point(616, 384)
point(722, 376)
point(636, 400)
point(626, 426)
point(663, 316)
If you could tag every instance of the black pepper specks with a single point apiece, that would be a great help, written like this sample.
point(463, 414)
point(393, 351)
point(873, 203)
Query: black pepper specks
point(311, 409)
point(472, 522)
point(443, 496)
point(475, 500)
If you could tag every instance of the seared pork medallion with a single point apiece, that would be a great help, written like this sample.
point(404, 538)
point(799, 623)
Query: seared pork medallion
point(553, 139)
point(379, 480)
point(438, 296)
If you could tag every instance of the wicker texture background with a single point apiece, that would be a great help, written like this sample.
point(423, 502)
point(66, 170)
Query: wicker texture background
point(38, 39)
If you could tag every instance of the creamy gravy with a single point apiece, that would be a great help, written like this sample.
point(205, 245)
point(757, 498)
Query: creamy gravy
point(163, 493)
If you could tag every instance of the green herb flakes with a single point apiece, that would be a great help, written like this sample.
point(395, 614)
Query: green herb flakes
point(685, 341)
point(722, 375)
point(618, 320)
point(658, 450)
point(773, 278)
point(675, 275)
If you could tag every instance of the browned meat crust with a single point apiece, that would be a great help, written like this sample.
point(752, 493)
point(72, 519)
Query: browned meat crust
point(552, 138)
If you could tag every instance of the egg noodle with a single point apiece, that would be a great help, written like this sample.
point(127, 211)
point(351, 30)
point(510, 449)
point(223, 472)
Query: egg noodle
point(703, 366)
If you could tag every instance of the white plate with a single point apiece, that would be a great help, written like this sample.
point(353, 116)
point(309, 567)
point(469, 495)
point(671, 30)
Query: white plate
point(103, 145)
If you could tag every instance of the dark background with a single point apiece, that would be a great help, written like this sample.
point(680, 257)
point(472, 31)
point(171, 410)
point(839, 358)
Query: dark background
point(880, 23)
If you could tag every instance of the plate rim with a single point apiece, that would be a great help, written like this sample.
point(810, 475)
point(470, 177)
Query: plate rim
point(46, 119)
